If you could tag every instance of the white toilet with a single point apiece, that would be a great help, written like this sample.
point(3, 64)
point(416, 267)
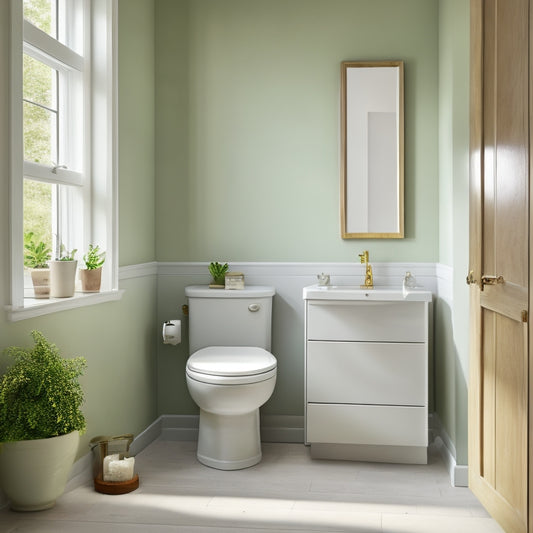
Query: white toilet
point(230, 372)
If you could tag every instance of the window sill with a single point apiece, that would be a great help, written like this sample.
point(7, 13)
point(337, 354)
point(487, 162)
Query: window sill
point(34, 307)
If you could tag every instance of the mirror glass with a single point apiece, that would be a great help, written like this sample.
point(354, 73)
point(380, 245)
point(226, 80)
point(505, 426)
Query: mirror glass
point(372, 150)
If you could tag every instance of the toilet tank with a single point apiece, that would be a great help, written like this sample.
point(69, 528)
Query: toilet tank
point(220, 317)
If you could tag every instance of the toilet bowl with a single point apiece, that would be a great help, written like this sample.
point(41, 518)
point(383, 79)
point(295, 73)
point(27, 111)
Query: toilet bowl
point(229, 384)
point(230, 372)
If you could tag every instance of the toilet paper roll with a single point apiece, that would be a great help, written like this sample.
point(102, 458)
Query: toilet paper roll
point(172, 332)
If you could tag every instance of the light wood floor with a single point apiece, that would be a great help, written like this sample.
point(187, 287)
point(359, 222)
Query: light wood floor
point(287, 491)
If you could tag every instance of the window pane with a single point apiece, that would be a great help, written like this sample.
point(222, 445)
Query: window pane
point(38, 205)
point(61, 19)
point(43, 14)
point(40, 134)
point(39, 83)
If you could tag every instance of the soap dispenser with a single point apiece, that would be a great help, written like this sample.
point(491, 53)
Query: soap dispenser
point(409, 282)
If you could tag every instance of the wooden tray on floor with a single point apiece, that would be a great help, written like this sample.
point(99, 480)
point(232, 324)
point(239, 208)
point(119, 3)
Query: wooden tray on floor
point(116, 487)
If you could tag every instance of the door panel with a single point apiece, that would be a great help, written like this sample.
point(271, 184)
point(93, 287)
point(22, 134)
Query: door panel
point(505, 409)
point(499, 246)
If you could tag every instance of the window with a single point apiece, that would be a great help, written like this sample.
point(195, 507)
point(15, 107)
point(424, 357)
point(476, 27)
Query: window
point(63, 177)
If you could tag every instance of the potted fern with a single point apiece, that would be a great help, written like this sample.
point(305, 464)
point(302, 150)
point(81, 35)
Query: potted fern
point(36, 257)
point(63, 274)
point(218, 273)
point(40, 423)
point(91, 275)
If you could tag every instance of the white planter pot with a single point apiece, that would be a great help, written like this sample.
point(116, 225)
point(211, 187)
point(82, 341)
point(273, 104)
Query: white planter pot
point(62, 278)
point(33, 473)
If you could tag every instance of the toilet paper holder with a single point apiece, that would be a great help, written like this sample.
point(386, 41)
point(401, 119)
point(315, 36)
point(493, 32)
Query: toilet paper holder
point(172, 332)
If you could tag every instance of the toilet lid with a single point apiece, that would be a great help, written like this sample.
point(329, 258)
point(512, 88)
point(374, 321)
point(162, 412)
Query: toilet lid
point(231, 361)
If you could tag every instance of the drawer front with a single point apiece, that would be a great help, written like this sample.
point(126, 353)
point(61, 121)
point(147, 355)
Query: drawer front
point(366, 373)
point(367, 424)
point(366, 321)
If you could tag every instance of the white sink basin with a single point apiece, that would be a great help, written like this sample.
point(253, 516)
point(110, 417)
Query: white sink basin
point(355, 292)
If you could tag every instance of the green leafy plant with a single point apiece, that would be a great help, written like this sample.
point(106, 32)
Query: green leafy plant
point(218, 271)
point(36, 254)
point(40, 394)
point(94, 258)
point(65, 255)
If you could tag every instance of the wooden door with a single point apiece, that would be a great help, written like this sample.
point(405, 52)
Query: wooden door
point(499, 247)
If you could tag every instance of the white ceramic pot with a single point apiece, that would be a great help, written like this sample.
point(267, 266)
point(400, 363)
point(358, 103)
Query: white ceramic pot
point(33, 473)
point(62, 278)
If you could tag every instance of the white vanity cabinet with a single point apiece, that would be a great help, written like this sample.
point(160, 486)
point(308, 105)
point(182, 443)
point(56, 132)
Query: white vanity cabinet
point(366, 370)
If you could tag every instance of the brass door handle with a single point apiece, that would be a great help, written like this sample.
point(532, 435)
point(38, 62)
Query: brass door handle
point(491, 280)
point(470, 278)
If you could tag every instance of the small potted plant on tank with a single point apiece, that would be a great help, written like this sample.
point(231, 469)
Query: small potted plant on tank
point(91, 275)
point(218, 273)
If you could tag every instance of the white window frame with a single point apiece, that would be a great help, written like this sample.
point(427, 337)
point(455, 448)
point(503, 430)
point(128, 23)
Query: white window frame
point(98, 180)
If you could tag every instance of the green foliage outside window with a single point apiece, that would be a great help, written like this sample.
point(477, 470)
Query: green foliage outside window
point(40, 132)
point(38, 211)
point(41, 13)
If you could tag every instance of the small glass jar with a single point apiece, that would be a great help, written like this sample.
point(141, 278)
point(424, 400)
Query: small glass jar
point(234, 280)
point(113, 468)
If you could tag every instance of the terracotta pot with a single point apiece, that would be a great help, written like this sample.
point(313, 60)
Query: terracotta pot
point(62, 278)
point(41, 282)
point(33, 473)
point(91, 279)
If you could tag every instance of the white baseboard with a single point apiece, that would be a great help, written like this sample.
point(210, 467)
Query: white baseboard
point(274, 428)
point(458, 473)
point(143, 439)
point(179, 427)
point(282, 428)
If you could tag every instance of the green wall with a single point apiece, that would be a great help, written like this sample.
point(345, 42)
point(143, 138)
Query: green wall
point(136, 104)
point(117, 338)
point(229, 149)
point(451, 346)
point(247, 114)
point(247, 151)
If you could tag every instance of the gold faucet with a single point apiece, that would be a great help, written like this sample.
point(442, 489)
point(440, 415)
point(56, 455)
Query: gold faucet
point(369, 278)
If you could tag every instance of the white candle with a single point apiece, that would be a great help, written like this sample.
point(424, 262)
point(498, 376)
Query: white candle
point(120, 470)
point(107, 459)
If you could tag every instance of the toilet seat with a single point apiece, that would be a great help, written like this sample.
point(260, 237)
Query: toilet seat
point(231, 365)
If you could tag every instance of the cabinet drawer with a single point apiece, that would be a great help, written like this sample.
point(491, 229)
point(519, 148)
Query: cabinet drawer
point(367, 424)
point(366, 321)
point(366, 373)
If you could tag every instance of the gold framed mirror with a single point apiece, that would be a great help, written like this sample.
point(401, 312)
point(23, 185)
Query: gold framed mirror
point(372, 150)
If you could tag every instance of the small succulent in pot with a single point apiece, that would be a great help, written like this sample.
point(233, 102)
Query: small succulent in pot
point(65, 255)
point(36, 254)
point(36, 257)
point(94, 258)
point(91, 275)
point(218, 271)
